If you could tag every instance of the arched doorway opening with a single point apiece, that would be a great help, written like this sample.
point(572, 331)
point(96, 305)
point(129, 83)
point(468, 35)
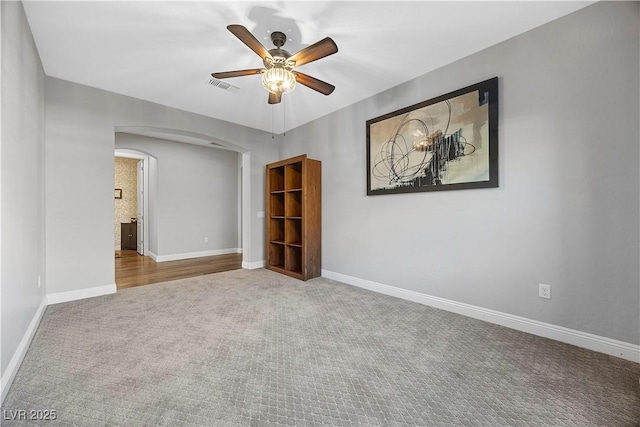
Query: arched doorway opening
point(244, 169)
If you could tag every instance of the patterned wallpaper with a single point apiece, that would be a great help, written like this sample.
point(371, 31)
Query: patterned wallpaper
point(126, 178)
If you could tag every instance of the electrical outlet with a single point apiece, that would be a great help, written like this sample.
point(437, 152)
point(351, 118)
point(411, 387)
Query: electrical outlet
point(39, 281)
point(544, 291)
point(206, 240)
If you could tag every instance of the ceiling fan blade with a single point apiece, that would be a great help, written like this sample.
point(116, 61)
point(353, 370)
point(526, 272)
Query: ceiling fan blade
point(238, 73)
point(324, 47)
point(275, 98)
point(247, 38)
point(313, 83)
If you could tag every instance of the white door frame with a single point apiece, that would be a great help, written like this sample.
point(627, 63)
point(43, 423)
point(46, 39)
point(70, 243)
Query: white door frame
point(140, 196)
point(133, 154)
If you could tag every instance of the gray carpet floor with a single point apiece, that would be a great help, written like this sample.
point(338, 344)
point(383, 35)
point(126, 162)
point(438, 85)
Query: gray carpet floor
point(253, 348)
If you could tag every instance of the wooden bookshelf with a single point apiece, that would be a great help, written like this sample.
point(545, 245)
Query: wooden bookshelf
point(294, 217)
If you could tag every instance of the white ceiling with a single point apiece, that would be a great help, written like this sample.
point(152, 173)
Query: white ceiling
point(164, 52)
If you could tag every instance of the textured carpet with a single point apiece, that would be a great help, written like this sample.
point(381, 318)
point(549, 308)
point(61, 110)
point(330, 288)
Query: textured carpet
point(257, 348)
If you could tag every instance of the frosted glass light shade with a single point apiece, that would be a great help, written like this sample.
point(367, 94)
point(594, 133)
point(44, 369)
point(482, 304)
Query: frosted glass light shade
point(278, 80)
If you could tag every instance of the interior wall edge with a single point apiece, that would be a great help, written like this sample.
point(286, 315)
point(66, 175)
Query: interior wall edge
point(189, 255)
point(253, 265)
point(22, 210)
point(60, 297)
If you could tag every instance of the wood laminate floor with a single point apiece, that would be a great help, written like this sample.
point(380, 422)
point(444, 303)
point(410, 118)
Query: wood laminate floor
point(133, 269)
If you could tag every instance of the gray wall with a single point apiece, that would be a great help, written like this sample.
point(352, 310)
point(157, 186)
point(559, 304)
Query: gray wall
point(22, 179)
point(80, 134)
point(196, 195)
point(567, 209)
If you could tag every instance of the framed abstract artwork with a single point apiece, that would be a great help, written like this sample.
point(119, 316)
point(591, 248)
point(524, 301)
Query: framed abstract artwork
point(446, 143)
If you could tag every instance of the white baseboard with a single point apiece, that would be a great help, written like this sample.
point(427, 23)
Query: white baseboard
point(81, 294)
point(253, 265)
point(176, 257)
point(18, 356)
point(597, 343)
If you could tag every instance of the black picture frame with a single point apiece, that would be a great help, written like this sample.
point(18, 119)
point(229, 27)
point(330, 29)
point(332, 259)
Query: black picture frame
point(445, 143)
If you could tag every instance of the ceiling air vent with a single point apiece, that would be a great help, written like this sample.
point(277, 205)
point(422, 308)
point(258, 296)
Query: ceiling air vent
point(223, 85)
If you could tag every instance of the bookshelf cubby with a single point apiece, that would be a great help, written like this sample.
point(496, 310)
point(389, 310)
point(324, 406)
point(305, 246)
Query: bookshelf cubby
point(293, 217)
point(293, 203)
point(293, 231)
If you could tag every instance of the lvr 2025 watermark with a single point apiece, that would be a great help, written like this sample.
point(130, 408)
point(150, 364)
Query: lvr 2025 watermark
point(29, 415)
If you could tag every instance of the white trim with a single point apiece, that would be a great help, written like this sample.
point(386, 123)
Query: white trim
point(586, 340)
point(253, 265)
point(175, 257)
point(130, 154)
point(182, 136)
point(18, 356)
point(153, 256)
point(81, 294)
point(21, 351)
point(247, 218)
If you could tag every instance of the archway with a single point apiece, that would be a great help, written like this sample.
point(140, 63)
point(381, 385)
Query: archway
point(190, 137)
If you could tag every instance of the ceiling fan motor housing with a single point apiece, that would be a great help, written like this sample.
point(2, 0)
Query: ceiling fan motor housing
point(278, 38)
point(279, 55)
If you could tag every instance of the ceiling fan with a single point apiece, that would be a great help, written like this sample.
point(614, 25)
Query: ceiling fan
point(278, 75)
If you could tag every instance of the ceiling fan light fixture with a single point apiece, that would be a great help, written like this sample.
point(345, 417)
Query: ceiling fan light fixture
point(278, 76)
point(278, 80)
